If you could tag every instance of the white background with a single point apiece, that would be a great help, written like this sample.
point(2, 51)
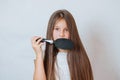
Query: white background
point(98, 23)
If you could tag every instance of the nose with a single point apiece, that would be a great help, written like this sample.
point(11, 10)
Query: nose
point(61, 33)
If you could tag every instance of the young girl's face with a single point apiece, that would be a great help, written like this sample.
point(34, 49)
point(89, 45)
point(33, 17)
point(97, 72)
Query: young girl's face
point(61, 30)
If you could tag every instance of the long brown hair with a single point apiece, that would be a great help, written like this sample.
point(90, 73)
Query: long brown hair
point(78, 61)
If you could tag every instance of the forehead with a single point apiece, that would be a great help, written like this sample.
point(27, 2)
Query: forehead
point(60, 23)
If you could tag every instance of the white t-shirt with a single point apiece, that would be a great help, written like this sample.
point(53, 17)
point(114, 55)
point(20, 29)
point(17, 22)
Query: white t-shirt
point(61, 66)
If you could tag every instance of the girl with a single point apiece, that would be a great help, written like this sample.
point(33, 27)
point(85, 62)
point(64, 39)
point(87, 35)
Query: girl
point(60, 64)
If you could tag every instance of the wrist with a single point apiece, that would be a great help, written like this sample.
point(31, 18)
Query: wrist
point(39, 56)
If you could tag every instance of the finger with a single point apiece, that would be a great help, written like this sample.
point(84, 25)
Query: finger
point(39, 41)
point(32, 40)
point(35, 38)
point(41, 44)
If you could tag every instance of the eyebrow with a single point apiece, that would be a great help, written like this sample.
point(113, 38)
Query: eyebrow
point(58, 27)
point(55, 27)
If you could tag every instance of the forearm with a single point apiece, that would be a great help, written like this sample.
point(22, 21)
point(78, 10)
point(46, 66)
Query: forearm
point(39, 72)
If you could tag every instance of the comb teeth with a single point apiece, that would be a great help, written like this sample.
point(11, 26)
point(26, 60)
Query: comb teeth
point(63, 43)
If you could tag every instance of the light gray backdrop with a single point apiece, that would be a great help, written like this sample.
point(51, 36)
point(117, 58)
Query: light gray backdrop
point(98, 23)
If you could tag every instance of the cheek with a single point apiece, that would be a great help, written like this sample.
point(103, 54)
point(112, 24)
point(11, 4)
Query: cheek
point(55, 35)
point(67, 35)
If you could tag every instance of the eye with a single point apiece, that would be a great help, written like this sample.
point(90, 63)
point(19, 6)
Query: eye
point(66, 29)
point(56, 28)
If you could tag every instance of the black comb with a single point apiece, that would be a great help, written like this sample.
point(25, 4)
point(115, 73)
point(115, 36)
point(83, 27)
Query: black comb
point(61, 43)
